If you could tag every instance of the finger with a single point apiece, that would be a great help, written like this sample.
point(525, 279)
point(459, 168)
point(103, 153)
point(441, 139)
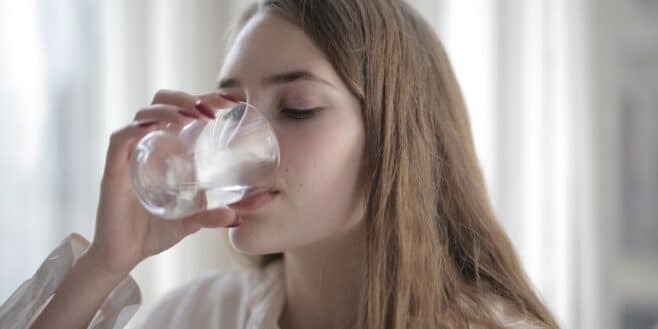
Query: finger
point(183, 100)
point(122, 143)
point(179, 229)
point(209, 103)
point(220, 217)
point(218, 100)
point(174, 97)
point(165, 112)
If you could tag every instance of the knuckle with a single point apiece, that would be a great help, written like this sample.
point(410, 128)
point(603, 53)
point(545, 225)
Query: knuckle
point(140, 112)
point(169, 96)
point(160, 94)
point(115, 137)
point(113, 141)
point(115, 134)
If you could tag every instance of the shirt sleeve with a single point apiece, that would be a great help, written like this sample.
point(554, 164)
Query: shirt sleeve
point(32, 296)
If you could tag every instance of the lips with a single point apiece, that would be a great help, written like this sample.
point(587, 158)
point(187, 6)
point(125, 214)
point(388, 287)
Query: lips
point(254, 201)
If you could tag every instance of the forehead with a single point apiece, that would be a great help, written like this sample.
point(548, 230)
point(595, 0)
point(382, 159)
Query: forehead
point(270, 44)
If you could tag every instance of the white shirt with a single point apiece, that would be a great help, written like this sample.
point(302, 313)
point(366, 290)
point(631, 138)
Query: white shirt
point(251, 299)
point(214, 300)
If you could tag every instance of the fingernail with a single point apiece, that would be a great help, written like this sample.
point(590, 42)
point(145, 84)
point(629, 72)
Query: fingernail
point(205, 109)
point(230, 98)
point(147, 123)
point(188, 114)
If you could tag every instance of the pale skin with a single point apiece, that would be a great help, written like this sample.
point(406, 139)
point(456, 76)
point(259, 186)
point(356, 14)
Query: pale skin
point(316, 219)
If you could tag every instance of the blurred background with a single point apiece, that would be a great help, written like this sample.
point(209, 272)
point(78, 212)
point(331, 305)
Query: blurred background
point(563, 101)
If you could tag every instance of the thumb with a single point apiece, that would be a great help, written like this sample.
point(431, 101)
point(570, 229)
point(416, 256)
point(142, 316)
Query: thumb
point(220, 217)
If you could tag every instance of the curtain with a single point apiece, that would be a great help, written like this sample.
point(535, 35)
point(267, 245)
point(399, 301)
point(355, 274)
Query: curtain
point(525, 70)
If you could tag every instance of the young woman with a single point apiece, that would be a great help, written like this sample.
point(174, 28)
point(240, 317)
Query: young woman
point(380, 218)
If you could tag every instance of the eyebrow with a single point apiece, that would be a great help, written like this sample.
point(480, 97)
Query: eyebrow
point(278, 78)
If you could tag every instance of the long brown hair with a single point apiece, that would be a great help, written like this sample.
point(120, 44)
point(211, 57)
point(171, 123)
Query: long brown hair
point(436, 255)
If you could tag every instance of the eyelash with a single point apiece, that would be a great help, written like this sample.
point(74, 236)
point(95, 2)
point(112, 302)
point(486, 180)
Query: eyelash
point(298, 114)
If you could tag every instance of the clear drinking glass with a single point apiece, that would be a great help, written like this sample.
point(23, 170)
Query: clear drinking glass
point(206, 164)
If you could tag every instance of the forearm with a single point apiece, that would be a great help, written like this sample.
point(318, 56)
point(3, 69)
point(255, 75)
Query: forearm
point(78, 297)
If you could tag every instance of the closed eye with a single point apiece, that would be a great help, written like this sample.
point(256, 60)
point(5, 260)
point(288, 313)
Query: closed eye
point(298, 114)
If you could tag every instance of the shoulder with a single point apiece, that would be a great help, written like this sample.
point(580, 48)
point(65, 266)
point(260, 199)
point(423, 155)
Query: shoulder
point(223, 297)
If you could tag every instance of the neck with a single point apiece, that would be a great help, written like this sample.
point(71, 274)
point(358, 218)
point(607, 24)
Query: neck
point(323, 282)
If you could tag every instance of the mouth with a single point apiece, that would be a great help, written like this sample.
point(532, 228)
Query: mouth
point(255, 201)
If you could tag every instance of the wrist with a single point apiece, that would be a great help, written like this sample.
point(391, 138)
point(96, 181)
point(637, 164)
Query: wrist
point(92, 264)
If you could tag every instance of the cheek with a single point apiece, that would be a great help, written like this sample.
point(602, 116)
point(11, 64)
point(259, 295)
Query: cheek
point(319, 171)
point(320, 162)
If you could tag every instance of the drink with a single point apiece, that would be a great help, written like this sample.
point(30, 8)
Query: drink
point(205, 165)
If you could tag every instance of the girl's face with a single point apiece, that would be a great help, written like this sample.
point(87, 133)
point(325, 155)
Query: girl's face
point(275, 66)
